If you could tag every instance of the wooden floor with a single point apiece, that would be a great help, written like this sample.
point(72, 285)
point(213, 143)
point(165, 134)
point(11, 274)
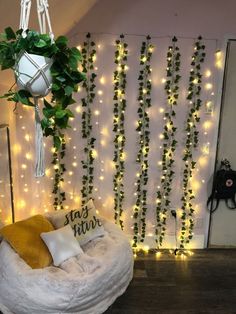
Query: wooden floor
point(203, 283)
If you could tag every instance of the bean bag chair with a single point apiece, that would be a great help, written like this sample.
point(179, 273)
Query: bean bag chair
point(86, 285)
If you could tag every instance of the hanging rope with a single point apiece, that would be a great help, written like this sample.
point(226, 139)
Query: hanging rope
point(44, 25)
point(24, 16)
point(43, 17)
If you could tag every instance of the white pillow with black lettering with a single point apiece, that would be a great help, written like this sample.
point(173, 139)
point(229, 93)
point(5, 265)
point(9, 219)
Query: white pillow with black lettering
point(84, 222)
point(61, 244)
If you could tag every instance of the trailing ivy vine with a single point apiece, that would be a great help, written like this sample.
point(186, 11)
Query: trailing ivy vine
point(119, 78)
point(144, 99)
point(163, 203)
point(59, 169)
point(88, 58)
point(191, 143)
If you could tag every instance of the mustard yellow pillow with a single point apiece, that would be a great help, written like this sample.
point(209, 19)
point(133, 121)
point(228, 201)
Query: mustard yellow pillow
point(24, 237)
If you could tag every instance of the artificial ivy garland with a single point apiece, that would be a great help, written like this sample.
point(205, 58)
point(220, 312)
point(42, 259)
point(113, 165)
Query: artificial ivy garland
point(88, 57)
point(191, 143)
point(119, 78)
point(59, 170)
point(142, 129)
point(163, 202)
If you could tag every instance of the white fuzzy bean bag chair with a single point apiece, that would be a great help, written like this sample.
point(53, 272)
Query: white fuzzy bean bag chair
point(88, 284)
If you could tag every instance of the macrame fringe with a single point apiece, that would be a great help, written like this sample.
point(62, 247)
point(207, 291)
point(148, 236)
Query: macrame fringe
point(39, 146)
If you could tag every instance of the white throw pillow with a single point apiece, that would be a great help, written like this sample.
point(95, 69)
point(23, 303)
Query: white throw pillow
point(61, 244)
point(84, 222)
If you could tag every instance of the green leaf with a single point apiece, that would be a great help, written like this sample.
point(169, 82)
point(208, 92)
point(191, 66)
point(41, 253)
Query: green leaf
point(10, 34)
point(76, 53)
point(47, 104)
point(23, 97)
point(57, 142)
point(55, 87)
point(60, 113)
point(61, 41)
point(69, 90)
point(71, 115)
point(49, 112)
point(41, 43)
point(73, 62)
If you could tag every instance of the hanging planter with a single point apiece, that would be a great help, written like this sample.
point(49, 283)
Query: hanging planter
point(33, 74)
point(41, 65)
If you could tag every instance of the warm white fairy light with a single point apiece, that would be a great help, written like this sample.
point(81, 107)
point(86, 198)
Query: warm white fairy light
point(206, 148)
point(28, 156)
point(219, 59)
point(103, 143)
point(27, 137)
point(207, 124)
point(94, 153)
point(78, 109)
point(102, 80)
point(208, 86)
point(207, 73)
point(209, 107)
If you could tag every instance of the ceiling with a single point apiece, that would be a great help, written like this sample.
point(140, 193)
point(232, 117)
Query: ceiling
point(64, 14)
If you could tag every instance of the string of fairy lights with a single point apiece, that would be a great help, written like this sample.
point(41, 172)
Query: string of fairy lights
point(169, 142)
point(119, 79)
point(59, 170)
point(88, 58)
point(93, 109)
point(144, 103)
point(191, 143)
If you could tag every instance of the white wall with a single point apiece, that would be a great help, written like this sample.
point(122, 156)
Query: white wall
point(109, 18)
point(188, 18)
point(223, 231)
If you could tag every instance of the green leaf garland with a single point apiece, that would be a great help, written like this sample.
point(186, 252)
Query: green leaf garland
point(119, 77)
point(59, 151)
point(88, 57)
point(144, 99)
point(191, 143)
point(163, 203)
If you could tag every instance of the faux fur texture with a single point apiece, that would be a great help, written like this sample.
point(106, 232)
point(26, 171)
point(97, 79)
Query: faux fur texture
point(85, 285)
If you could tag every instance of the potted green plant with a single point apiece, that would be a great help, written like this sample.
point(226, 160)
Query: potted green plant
point(61, 70)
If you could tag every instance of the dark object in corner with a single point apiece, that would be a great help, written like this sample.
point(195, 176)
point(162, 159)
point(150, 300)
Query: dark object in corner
point(224, 187)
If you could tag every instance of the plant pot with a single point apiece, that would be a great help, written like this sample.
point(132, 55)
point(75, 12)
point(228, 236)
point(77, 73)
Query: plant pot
point(33, 74)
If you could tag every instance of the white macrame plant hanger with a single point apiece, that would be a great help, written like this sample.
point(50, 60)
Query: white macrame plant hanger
point(39, 81)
